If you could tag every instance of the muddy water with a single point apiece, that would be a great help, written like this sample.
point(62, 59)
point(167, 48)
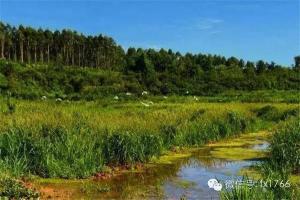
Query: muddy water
point(183, 177)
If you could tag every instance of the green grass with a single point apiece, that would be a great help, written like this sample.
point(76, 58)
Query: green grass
point(282, 164)
point(56, 151)
point(245, 192)
point(285, 148)
point(53, 140)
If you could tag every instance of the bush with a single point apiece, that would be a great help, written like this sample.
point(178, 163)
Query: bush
point(13, 189)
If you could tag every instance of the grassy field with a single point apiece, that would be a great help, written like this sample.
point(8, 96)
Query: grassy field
point(78, 139)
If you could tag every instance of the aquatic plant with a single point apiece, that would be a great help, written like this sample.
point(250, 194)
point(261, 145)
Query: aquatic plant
point(285, 149)
point(246, 192)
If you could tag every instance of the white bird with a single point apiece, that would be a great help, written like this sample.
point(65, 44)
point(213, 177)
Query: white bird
point(44, 98)
point(128, 93)
point(147, 105)
point(116, 98)
point(165, 97)
point(144, 93)
point(58, 100)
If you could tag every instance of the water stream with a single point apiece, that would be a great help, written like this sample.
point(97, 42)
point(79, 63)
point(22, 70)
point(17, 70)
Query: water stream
point(185, 177)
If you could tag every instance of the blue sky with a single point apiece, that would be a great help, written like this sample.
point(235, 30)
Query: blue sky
point(248, 29)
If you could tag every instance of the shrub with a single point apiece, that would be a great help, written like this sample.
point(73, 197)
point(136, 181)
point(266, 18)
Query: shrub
point(13, 189)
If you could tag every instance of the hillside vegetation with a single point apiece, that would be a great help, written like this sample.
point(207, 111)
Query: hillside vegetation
point(68, 64)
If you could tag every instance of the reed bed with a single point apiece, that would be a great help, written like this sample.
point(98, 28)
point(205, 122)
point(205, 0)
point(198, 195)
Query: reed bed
point(77, 139)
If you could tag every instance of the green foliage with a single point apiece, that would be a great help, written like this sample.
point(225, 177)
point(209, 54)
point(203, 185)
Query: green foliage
point(80, 151)
point(197, 114)
point(13, 189)
point(272, 113)
point(285, 148)
point(268, 113)
point(11, 107)
point(246, 192)
point(122, 148)
point(51, 152)
point(61, 68)
point(283, 160)
point(3, 81)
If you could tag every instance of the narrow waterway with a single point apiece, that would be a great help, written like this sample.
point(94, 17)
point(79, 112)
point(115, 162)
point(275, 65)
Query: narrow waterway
point(184, 177)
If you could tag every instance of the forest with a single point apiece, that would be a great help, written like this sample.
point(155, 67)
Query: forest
point(35, 61)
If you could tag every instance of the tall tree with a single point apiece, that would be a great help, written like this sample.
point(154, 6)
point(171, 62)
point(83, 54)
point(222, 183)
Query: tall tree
point(48, 40)
point(297, 62)
point(261, 66)
point(2, 38)
point(20, 35)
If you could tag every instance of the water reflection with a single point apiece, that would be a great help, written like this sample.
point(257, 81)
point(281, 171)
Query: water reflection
point(186, 177)
point(201, 167)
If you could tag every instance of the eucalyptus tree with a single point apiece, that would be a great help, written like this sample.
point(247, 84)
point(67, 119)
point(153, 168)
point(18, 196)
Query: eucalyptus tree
point(9, 44)
point(2, 38)
point(297, 62)
point(20, 36)
point(49, 41)
point(41, 44)
point(29, 40)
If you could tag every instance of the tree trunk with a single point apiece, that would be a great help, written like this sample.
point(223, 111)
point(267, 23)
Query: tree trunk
point(48, 53)
point(2, 47)
point(35, 53)
point(73, 57)
point(79, 57)
point(28, 52)
point(15, 53)
point(83, 61)
point(41, 56)
point(21, 52)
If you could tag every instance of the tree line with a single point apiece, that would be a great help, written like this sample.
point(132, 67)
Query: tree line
point(159, 71)
point(29, 45)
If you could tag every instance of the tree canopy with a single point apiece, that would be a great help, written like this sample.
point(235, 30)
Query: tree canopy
point(159, 71)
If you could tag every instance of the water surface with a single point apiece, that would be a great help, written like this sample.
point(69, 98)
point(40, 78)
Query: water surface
point(185, 177)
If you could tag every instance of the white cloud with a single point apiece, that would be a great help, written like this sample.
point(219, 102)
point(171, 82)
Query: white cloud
point(206, 24)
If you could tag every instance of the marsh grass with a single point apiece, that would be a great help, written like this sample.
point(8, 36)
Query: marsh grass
point(285, 149)
point(283, 161)
point(77, 140)
point(246, 192)
point(272, 113)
